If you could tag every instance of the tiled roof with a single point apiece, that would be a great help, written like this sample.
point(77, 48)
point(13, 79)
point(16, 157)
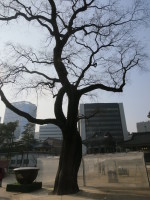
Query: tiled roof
point(139, 139)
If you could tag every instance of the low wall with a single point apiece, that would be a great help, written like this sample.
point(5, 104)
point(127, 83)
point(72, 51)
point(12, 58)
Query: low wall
point(115, 170)
point(48, 168)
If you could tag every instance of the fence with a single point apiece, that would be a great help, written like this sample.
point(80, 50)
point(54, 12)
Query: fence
point(107, 170)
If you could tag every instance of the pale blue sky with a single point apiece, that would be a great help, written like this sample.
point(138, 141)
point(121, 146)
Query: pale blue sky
point(136, 95)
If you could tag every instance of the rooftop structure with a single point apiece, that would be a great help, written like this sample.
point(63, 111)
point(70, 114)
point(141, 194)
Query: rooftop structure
point(143, 126)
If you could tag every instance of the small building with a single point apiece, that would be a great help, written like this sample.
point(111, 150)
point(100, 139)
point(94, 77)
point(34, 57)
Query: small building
point(100, 143)
point(50, 145)
point(138, 142)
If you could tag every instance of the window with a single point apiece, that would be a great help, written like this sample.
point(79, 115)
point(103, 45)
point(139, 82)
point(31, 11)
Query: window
point(13, 162)
point(18, 161)
point(26, 161)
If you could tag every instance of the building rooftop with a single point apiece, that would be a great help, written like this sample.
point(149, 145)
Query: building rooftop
point(140, 139)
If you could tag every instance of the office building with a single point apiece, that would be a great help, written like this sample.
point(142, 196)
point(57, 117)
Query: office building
point(103, 118)
point(49, 131)
point(10, 116)
point(143, 126)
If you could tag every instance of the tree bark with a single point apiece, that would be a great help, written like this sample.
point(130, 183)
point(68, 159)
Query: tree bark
point(69, 163)
point(71, 152)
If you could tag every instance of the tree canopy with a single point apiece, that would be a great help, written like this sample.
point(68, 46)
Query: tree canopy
point(7, 130)
point(28, 136)
point(7, 135)
point(90, 45)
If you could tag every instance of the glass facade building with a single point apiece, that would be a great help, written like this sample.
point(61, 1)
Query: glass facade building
point(10, 116)
point(49, 131)
point(103, 118)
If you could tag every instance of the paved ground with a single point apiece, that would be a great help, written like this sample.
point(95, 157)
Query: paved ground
point(87, 193)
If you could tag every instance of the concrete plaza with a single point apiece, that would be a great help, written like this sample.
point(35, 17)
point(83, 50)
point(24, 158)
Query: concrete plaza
point(86, 193)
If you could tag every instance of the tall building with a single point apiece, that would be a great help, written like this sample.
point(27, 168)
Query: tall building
point(103, 118)
point(49, 131)
point(10, 116)
point(143, 126)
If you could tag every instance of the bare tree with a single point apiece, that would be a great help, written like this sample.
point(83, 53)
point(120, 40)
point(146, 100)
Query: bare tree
point(91, 46)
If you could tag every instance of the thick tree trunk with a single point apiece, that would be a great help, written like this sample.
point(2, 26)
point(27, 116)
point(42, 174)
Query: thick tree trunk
point(69, 163)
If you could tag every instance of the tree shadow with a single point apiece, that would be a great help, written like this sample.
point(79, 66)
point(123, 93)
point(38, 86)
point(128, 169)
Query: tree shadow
point(100, 193)
point(43, 191)
point(90, 195)
point(113, 194)
point(4, 198)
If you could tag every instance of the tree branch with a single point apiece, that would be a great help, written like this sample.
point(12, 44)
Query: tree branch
point(17, 70)
point(102, 87)
point(29, 16)
point(91, 63)
point(26, 115)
